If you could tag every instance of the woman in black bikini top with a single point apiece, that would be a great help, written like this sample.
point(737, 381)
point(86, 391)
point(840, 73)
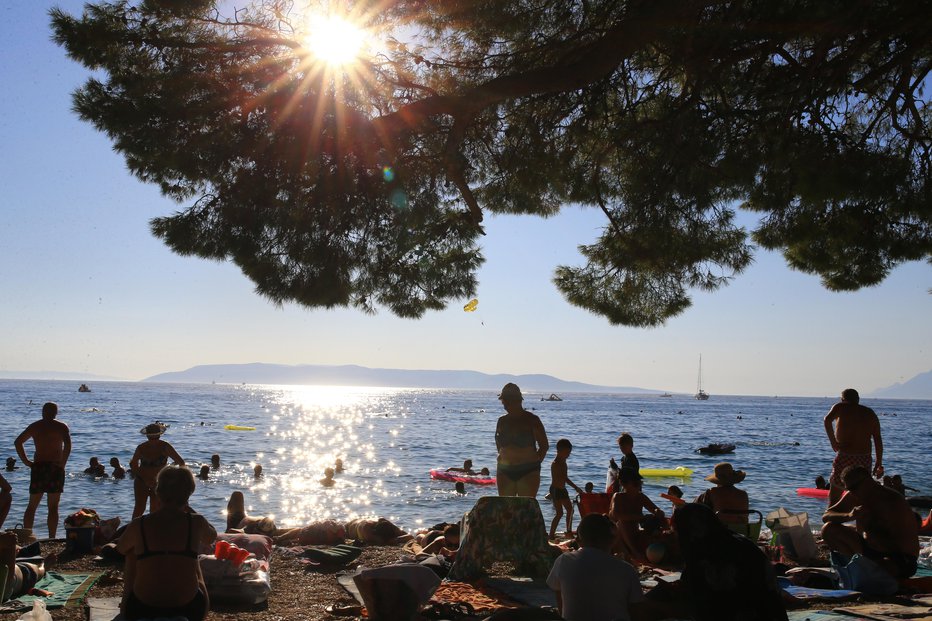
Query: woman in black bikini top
point(150, 457)
point(522, 445)
point(162, 577)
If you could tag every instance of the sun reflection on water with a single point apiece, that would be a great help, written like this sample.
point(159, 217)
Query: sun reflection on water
point(313, 427)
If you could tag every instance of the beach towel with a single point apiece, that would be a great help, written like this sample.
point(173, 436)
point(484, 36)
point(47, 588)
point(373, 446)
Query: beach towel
point(528, 592)
point(103, 608)
point(482, 599)
point(808, 593)
point(816, 615)
point(334, 556)
point(503, 529)
point(888, 612)
point(68, 590)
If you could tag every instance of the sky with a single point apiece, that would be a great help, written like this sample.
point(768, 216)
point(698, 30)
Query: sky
point(84, 286)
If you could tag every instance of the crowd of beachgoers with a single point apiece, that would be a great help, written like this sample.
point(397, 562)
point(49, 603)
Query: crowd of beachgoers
point(712, 541)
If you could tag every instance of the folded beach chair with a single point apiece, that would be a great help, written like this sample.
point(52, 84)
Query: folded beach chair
point(593, 503)
point(749, 527)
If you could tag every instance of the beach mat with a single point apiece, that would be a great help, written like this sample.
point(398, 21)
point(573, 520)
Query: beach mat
point(817, 615)
point(524, 590)
point(888, 612)
point(67, 589)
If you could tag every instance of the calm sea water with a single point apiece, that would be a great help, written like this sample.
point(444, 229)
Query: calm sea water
point(389, 439)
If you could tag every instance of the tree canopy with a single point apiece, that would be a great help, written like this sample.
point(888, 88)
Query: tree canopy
point(366, 185)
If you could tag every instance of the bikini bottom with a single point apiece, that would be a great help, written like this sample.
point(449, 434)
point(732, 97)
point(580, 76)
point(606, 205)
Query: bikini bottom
point(195, 610)
point(518, 471)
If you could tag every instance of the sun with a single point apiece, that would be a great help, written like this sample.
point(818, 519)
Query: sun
point(334, 40)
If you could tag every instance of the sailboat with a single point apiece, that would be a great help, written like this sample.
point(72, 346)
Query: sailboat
point(701, 395)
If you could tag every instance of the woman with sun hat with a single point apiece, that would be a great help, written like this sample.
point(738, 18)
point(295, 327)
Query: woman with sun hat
point(148, 460)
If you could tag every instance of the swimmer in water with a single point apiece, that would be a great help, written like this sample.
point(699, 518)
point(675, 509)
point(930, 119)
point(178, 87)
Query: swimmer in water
point(338, 465)
point(10, 464)
point(327, 481)
point(204, 473)
point(119, 472)
point(215, 461)
point(257, 471)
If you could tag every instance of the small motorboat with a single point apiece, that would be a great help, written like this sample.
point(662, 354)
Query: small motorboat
point(716, 449)
point(84, 388)
point(552, 397)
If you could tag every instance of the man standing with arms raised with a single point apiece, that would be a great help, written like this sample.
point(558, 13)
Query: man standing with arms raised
point(855, 427)
point(52, 439)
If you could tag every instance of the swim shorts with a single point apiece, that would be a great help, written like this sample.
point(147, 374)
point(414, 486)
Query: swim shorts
point(844, 460)
point(558, 495)
point(905, 564)
point(24, 579)
point(46, 478)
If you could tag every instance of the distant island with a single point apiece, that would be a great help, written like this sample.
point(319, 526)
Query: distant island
point(353, 375)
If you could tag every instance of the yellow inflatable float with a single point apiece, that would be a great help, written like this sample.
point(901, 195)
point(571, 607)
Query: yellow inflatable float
point(238, 428)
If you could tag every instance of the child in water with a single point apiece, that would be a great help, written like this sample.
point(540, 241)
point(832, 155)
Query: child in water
point(558, 494)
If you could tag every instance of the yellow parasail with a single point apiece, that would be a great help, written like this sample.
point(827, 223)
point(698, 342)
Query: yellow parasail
point(471, 305)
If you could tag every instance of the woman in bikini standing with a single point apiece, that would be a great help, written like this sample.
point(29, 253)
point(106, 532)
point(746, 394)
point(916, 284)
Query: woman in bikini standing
point(162, 578)
point(148, 460)
point(522, 445)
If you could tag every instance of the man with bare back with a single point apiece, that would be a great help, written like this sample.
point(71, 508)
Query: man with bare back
point(851, 429)
point(52, 440)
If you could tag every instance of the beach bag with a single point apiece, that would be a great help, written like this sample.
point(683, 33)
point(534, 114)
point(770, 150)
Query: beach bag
point(860, 573)
point(395, 592)
point(24, 536)
point(792, 531)
point(38, 612)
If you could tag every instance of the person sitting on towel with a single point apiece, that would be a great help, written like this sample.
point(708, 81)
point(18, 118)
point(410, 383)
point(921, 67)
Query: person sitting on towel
point(163, 578)
point(590, 583)
point(725, 498)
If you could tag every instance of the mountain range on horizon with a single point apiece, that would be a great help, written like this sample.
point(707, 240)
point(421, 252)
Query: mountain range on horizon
point(918, 387)
point(355, 375)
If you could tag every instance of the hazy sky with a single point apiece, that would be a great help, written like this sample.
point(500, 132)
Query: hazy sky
point(86, 288)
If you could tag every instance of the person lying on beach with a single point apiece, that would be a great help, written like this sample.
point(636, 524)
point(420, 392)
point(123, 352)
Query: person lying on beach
point(626, 511)
point(325, 532)
point(446, 544)
point(885, 530)
point(21, 576)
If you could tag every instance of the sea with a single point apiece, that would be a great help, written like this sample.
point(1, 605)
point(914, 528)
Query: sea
point(390, 438)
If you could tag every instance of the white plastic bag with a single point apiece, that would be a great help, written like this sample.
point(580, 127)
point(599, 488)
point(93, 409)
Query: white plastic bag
point(38, 612)
point(792, 531)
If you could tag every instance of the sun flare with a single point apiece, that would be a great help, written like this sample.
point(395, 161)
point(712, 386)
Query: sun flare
point(334, 40)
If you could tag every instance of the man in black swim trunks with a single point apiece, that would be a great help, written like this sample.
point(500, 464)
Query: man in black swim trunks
point(52, 440)
point(886, 529)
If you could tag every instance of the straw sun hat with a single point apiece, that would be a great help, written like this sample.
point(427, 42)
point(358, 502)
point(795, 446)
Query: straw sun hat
point(154, 429)
point(726, 474)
